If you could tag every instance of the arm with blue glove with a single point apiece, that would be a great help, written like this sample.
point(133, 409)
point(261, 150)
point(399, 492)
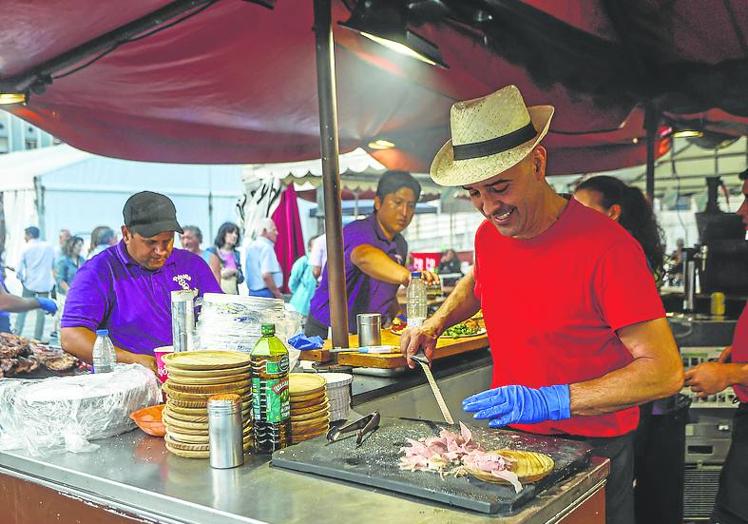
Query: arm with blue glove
point(49, 306)
point(520, 405)
point(14, 304)
point(656, 371)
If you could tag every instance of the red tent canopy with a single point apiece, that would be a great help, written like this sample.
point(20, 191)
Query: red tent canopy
point(236, 83)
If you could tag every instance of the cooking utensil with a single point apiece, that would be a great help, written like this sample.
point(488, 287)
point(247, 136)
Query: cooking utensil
point(362, 427)
point(424, 362)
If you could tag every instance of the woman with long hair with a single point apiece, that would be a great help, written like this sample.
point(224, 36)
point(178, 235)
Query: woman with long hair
point(627, 206)
point(659, 441)
point(225, 261)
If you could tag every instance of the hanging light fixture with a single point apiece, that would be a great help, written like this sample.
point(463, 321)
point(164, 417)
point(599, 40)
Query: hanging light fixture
point(11, 98)
point(385, 22)
point(381, 144)
point(688, 133)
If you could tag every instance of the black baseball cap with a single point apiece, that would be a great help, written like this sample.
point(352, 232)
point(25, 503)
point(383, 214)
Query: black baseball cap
point(148, 214)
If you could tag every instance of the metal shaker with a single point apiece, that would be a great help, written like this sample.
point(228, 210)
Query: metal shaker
point(225, 431)
point(182, 319)
point(369, 327)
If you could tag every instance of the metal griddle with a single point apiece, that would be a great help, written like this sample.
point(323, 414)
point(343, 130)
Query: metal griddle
point(375, 464)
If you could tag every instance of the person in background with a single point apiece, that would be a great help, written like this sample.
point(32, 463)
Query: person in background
point(263, 269)
point(449, 263)
point(318, 256)
point(66, 266)
point(127, 289)
point(12, 304)
point(62, 238)
point(659, 440)
point(102, 237)
point(374, 252)
point(34, 270)
point(191, 240)
point(627, 206)
point(710, 378)
point(224, 258)
point(302, 282)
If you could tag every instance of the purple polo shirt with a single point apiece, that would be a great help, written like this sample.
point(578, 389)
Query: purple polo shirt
point(112, 291)
point(365, 294)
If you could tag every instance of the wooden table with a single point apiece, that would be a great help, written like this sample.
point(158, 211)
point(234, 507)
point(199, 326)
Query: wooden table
point(445, 347)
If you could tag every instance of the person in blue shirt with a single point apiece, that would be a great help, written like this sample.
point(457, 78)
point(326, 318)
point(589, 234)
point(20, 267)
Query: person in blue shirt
point(302, 282)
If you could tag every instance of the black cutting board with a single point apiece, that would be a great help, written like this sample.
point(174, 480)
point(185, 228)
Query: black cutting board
point(375, 464)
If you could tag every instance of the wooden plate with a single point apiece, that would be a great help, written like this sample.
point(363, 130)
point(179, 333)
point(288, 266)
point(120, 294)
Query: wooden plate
point(295, 410)
point(171, 422)
point(529, 466)
point(197, 454)
point(320, 396)
point(206, 360)
point(197, 418)
point(320, 413)
point(212, 374)
point(188, 438)
point(202, 397)
point(200, 407)
point(304, 384)
point(203, 389)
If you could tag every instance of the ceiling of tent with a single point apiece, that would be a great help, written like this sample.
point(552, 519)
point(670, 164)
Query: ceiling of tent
point(236, 83)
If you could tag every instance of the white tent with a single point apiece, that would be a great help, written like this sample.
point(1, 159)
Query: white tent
point(62, 187)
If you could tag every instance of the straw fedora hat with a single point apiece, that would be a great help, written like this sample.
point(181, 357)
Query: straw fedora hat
point(489, 135)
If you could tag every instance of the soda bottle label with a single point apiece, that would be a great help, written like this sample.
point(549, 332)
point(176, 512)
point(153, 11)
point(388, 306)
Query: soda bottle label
point(270, 400)
point(277, 367)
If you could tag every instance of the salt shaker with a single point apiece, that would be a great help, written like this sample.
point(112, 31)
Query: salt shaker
point(225, 431)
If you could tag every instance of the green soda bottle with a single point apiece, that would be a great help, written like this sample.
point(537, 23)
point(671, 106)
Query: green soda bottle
point(271, 408)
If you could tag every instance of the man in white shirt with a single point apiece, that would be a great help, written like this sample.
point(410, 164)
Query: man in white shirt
point(34, 270)
point(318, 256)
point(264, 274)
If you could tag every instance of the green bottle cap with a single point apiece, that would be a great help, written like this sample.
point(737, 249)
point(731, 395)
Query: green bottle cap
point(268, 330)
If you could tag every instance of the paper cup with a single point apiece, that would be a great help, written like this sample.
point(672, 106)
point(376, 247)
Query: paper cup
point(159, 354)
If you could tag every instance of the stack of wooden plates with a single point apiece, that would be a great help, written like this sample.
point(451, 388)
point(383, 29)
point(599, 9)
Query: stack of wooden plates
point(310, 413)
point(195, 376)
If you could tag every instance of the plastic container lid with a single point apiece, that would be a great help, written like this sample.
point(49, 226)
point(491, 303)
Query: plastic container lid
point(102, 332)
point(416, 274)
point(268, 329)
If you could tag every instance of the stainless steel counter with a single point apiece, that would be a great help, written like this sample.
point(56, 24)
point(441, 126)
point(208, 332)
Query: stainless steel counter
point(134, 474)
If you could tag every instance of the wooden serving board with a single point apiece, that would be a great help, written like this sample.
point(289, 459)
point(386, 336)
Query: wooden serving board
point(445, 347)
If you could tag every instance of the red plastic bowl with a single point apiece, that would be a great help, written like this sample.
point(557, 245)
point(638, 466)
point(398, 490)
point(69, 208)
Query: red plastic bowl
point(149, 420)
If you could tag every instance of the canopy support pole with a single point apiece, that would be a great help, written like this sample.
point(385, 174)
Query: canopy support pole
point(650, 126)
point(328, 127)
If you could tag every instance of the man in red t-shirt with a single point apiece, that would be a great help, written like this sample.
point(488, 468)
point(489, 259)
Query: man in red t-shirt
point(577, 330)
point(710, 378)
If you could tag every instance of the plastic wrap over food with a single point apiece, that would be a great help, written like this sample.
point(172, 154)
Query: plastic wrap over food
point(58, 413)
point(233, 323)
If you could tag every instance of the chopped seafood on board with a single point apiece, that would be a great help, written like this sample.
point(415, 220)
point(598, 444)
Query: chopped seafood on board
point(456, 454)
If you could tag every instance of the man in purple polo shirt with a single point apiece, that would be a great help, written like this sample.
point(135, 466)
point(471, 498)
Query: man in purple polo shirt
point(374, 253)
point(127, 288)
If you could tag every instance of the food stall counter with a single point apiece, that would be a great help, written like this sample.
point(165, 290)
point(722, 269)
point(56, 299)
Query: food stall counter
point(132, 478)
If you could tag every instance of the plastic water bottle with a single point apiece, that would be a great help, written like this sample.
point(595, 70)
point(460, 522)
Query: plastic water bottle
point(104, 357)
point(417, 300)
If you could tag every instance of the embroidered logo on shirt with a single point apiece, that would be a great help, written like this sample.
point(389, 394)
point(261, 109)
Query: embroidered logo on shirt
point(183, 281)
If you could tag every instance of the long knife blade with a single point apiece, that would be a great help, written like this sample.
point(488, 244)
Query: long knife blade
point(435, 390)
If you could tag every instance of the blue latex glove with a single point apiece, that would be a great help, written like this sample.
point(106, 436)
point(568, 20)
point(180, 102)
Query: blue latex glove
point(49, 306)
point(302, 342)
point(520, 405)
